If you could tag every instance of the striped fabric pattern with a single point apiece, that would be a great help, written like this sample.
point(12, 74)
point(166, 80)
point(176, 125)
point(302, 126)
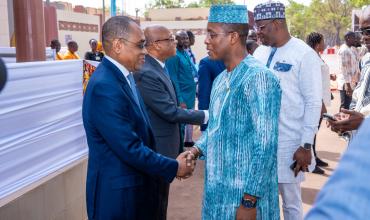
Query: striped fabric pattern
point(240, 143)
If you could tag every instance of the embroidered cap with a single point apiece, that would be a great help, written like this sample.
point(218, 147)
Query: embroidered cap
point(237, 14)
point(269, 10)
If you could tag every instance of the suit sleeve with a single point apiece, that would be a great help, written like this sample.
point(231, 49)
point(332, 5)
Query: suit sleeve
point(112, 120)
point(346, 195)
point(205, 85)
point(264, 105)
point(172, 65)
point(158, 99)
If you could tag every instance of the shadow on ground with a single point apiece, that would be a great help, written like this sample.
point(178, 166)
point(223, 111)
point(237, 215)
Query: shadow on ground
point(326, 155)
point(309, 195)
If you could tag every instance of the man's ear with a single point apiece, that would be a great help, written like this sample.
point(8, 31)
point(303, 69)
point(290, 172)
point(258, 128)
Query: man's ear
point(234, 37)
point(117, 46)
point(157, 46)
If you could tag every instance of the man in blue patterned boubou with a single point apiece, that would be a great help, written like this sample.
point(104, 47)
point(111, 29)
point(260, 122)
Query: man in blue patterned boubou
point(240, 143)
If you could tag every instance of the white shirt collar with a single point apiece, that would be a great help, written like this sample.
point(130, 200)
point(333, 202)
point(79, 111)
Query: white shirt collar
point(160, 62)
point(124, 71)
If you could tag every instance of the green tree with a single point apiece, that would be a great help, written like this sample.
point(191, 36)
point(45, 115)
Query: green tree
point(359, 3)
point(167, 4)
point(193, 5)
point(330, 17)
point(297, 18)
point(208, 3)
point(335, 17)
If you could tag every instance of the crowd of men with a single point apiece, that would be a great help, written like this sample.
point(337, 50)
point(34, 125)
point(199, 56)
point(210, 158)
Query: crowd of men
point(259, 115)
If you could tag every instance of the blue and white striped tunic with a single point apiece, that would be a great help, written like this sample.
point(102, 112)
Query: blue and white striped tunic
point(240, 143)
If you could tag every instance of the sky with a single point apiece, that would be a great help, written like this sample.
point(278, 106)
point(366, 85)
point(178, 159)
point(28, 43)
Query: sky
point(130, 5)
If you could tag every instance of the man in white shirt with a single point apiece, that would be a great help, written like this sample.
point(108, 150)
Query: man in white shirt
point(348, 69)
point(298, 68)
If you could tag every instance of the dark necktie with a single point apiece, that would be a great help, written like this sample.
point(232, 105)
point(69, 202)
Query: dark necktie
point(273, 51)
point(133, 88)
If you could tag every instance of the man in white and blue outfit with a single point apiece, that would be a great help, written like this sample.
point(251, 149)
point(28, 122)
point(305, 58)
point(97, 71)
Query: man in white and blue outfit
point(298, 68)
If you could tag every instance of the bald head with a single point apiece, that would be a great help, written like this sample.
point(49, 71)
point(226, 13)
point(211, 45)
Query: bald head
point(154, 33)
point(160, 42)
point(182, 40)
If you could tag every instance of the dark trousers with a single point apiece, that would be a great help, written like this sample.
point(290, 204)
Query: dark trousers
point(163, 191)
point(345, 100)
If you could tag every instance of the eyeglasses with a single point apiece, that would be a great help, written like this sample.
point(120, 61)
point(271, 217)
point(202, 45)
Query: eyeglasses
point(365, 31)
point(171, 39)
point(213, 35)
point(259, 28)
point(140, 45)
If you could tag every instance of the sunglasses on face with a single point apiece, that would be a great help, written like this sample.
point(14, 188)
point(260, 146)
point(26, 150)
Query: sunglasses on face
point(140, 45)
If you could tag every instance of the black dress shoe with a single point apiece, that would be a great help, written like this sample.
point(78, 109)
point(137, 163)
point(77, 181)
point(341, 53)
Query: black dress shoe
point(321, 163)
point(188, 144)
point(318, 170)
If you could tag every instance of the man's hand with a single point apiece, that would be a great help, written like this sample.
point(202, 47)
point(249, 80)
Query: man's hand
point(186, 162)
point(303, 158)
point(183, 105)
point(350, 123)
point(195, 151)
point(243, 213)
point(348, 89)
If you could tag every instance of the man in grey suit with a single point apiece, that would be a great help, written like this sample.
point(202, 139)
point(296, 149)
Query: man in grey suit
point(160, 99)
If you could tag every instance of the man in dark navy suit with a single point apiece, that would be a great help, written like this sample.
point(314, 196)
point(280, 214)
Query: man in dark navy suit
point(208, 71)
point(124, 169)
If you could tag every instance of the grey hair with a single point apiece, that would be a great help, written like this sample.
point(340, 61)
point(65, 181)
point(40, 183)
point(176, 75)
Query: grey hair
point(115, 27)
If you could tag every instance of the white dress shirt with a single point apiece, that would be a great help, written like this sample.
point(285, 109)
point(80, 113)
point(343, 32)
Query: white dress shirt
point(325, 75)
point(123, 69)
point(301, 100)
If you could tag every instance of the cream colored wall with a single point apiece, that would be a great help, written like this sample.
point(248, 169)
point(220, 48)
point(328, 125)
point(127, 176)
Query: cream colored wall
point(82, 38)
point(59, 198)
point(171, 13)
point(202, 24)
point(4, 24)
point(199, 48)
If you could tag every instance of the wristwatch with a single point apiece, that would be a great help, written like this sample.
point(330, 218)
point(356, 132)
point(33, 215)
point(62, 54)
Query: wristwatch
point(307, 146)
point(248, 203)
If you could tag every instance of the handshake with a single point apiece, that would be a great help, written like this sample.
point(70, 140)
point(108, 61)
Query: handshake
point(187, 162)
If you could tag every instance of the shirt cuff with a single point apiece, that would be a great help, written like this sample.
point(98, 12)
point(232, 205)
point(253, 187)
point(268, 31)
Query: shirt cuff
point(206, 116)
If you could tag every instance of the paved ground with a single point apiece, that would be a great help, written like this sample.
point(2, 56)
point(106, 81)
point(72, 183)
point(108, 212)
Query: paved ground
point(186, 196)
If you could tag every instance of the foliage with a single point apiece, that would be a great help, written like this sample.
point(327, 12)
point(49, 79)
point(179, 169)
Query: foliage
point(332, 18)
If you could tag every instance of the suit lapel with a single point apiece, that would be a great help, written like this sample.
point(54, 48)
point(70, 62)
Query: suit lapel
point(126, 87)
point(163, 75)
